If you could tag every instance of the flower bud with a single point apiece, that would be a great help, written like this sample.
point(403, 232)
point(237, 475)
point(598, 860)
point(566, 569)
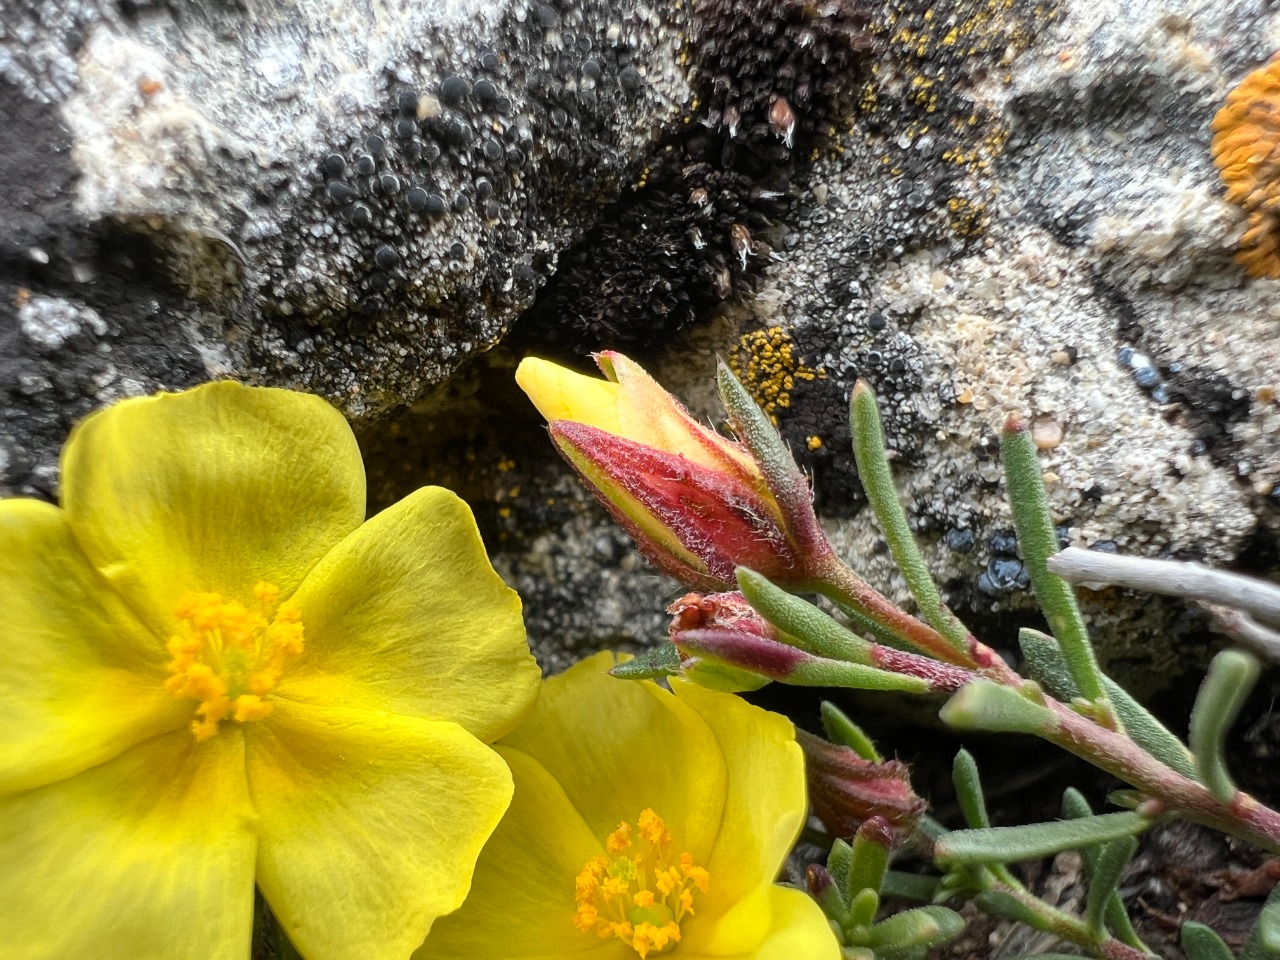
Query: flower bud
point(850, 794)
point(696, 503)
point(718, 611)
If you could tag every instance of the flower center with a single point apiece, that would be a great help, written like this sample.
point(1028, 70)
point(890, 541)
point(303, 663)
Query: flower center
point(638, 893)
point(229, 657)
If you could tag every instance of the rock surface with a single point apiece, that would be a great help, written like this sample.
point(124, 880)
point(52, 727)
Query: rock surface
point(348, 198)
point(980, 206)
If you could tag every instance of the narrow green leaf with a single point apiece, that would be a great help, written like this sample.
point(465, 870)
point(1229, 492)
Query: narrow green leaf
point(761, 438)
point(838, 861)
point(1006, 905)
point(812, 629)
point(862, 908)
point(920, 927)
point(840, 729)
point(909, 886)
point(1232, 674)
point(1045, 660)
point(964, 775)
point(1107, 870)
point(1201, 943)
point(868, 865)
point(660, 661)
point(871, 456)
point(1011, 844)
point(1264, 939)
point(984, 705)
point(1074, 806)
point(1038, 541)
point(853, 676)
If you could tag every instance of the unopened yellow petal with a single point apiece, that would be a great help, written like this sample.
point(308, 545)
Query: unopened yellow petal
point(521, 901)
point(763, 814)
point(149, 855)
point(81, 679)
point(563, 394)
point(370, 824)
point(619, 746)
point(407, 615)
point(214, 489)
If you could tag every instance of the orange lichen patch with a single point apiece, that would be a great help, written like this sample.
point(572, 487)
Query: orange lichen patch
point(1246, 149)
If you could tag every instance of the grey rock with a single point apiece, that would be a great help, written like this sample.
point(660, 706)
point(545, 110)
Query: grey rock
point(236, 189)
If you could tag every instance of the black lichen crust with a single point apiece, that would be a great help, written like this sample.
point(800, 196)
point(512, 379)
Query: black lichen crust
point(438, 222)
point(917, 113)
point(703, 218)
point(779, 64)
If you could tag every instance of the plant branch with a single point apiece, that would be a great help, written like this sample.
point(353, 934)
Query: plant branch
point(1258, 598)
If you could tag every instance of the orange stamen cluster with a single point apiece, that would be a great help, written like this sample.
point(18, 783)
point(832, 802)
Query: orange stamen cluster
point(229, 657)
point(637, 893)
point(1246, 149)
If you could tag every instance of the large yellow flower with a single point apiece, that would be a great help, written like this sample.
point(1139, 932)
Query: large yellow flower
point(644, 823)
point(212, 673)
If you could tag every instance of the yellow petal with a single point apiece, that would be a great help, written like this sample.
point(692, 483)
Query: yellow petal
point(563, 394)
point(81, 679)
point(799, 929)
point(522, 899)
point(371, 824)
point(763, 814)
point(650, 415)
point(619, 746)
point(631, 404)
point(406, 615)
point(149, 855)
point(213, 489)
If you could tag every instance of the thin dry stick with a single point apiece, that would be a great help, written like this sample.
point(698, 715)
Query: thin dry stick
point(1257, 598)
point(1242, 627)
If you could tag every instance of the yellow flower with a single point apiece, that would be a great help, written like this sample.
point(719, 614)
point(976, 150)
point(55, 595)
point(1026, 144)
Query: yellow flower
point(644, 823)
point(214, 674)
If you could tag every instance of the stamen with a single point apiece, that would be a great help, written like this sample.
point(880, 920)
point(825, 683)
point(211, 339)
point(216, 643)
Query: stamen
point(229, 657)
point(637, 894)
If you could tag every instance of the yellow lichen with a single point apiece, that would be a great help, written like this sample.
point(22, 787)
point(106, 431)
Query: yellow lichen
point(1246, 149)
point(769, 365)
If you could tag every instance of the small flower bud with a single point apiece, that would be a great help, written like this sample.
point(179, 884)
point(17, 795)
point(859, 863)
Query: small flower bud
point(855, 796)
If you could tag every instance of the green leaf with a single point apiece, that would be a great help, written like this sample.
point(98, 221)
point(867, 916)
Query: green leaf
point(1264, 939)
point(920, 927)
point(761, 438)
point(1232, 674)
point(1109, 865)
point(840, 729)
point(984, 705)
point(838, 861)
point(1045, 660)
point(812, 629)
point(654, 663)
point(909, 886)
point(1033, 520)
point(964, 774)
point(870, 860)
point(1074, 805)
point(871, 456)
point(1011, 844)
point(1201, 943)
point(862, 908)
point(1006, 905)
